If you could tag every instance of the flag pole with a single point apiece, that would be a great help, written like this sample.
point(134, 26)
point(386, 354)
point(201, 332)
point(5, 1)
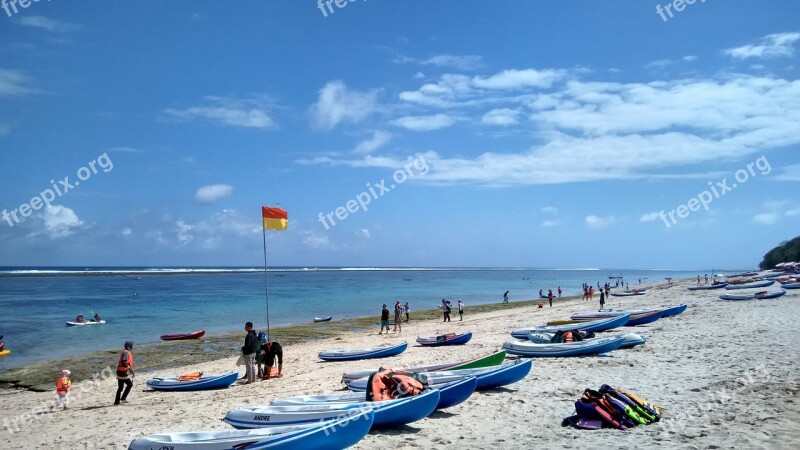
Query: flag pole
point(266, 285)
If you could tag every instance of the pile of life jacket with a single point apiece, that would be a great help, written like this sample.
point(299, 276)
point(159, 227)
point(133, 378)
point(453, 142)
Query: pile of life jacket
point(193, 376)
point(562, 336)
point(388, 384)
point(612, 408)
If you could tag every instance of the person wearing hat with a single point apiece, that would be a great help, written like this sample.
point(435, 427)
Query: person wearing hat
point(63, 386)
point(260, 360)
point(125, 374)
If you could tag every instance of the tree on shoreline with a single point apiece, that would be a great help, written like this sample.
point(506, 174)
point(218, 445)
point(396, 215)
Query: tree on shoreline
point(786, 252)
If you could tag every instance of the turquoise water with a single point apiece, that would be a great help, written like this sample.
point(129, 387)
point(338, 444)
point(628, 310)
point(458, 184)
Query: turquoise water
point(33, 310)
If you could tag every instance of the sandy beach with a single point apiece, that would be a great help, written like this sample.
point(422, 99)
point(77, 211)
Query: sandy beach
point(726, 373)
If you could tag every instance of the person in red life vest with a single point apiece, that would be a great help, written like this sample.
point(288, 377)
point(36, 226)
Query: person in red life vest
point(125, 374)
point(271, 352)
point(568, 337)
point(63, 386)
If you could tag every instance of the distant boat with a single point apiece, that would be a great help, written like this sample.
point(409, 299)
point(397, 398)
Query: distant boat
point(89, 322)
point(183, 336)
point(322, 319)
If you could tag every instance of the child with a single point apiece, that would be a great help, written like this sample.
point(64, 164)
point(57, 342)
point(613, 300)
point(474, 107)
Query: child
point(63, 386)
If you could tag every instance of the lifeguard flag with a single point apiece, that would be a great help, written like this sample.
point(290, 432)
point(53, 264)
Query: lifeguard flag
point(274, 218)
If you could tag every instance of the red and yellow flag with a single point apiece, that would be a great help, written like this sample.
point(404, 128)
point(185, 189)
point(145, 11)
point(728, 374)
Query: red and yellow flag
point(274, 218)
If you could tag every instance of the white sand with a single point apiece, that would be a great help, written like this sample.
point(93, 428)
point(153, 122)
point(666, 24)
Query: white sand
point(726, 372)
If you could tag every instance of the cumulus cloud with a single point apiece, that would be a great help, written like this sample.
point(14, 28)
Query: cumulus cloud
point(378, 140)
point(247, 113)
point(649, 217)
point(771, 46)
point(425, 123)
point(459, 62)
point(337, 104)
point(60, 221)
point(765, 218)
point(517, 79)
point(212, 193)
point(501, 117)
point(596, 222)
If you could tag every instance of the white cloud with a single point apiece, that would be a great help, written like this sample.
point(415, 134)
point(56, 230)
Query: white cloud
point(212, 193)
point(551, 223)
point(517, 79)
point(501, 117)
point(183, 231)
point(60, 221)
point(765, 218)
point(649, 217)
point(126, 232)
point(378, 140)
point(248, 113)
point(52, 25)
point(419, 76)
point(690, 58)
point(549, 210)
point(425, 123)
point(459, 62)
point(788, 173)
point(793, 212)
point(659, 64)
point(337, 104)
point(770, 46)
point(317, 241)
point(363, 233)
point(593, 221)
point(13, 83)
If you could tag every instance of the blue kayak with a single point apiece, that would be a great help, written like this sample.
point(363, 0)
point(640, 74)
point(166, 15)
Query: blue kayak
point(708, 287)
point(389, 413)
point(768, 295)
point(790, 285)
point(588, 347)
point(601, 324)
point(362, 353)
point(342, 432)
point(673, 311)
point(203, 383)
point(758, 284)
point(445, 339)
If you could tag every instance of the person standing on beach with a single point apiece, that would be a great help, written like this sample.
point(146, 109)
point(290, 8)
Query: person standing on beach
point(541, 293)
point(384, 319)
point(591, 293)
point(505, 297)
point(63, 386)
point(398, 317)
point(460, 310)
point(602, 299)
point(559, 292)
point(249, 351)
point(706, 279)
point(445, 310)
point(698, 280)
point(125, 374)
point(550, 296)
point(408, 311)
point(608, 289)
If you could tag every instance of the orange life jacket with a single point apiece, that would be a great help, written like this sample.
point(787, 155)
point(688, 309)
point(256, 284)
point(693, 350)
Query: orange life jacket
point(568, 336)
point(194, 376)
point(121, 366)
point(63, 385)
point(389, 384)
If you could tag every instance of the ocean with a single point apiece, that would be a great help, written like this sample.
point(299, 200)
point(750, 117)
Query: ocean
point(140, 303)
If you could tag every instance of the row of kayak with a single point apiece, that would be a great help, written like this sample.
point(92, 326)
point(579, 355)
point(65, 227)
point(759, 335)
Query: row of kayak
point(340, 420)
point(353, 354)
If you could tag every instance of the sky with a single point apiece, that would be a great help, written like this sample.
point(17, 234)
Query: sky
point(415, 134)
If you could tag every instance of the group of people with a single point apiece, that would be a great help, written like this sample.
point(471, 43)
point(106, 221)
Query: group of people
point(81, 319)
point(260, 355)
point(446, 309)
point(399, 310)
point(714, 280)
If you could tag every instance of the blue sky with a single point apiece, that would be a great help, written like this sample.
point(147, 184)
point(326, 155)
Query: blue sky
point(538, 134)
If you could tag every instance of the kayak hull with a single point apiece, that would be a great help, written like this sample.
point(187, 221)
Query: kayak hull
point(367, 353)
point(432, 341)
point(708, 287)
point(737, 297)
point(602, 324)
point(183, 336)
point(204, 383)
point(758, 284)
point(341, 433)
point(674, 311)
point(322, 319)
point(790, 285)
point(4, 353)
point(769, 295)
point(590, 347)
point(81, 324)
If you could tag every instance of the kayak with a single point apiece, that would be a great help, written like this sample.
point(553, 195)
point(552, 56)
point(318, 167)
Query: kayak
point(445, 339)
point(340, 433)
point(89, 322)
point(203, 383)
point(737, 297)
point(638, 316)
point(183, 336)
point(362, 353)
point(602, 324)
point(484, 361)
point(4, 353)
point(487, 377)
point(673, 311)
point(790, 285)
point(768, 295)
point(627, 294)
point(388, 413)
point(630, 339)
point(758, 284)
point(588, 347)
point(708, 287)
point(322, 319)
point(450, 394)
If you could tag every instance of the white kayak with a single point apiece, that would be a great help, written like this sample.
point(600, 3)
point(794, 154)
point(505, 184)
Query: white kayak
point(88, 322)
point(343, 432)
